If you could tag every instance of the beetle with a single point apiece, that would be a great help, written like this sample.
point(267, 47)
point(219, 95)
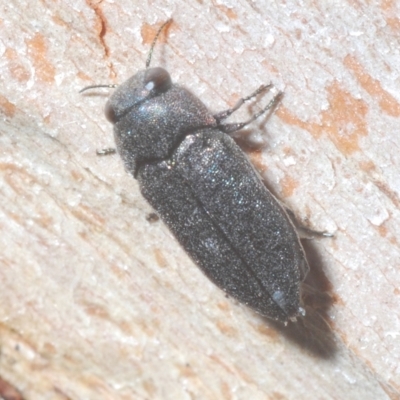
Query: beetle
point(207, 192)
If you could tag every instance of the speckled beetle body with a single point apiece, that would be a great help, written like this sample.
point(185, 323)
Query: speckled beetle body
point(204, 188)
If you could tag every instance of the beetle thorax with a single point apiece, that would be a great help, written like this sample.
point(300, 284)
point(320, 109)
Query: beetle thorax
point(152, 116)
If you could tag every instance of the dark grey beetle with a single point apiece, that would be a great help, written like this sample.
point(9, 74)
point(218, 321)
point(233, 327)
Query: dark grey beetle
point(205, 189)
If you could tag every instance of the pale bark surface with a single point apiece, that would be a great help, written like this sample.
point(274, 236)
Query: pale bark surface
point(98, 303)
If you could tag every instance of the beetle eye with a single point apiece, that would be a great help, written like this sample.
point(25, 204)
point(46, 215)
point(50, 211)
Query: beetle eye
point(157, 80)
point(110, 113)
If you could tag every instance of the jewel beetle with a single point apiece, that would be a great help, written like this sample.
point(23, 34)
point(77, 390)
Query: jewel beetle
point(207, 192)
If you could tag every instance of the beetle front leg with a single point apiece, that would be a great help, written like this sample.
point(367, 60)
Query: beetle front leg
point(230, 128)
point(221, 116)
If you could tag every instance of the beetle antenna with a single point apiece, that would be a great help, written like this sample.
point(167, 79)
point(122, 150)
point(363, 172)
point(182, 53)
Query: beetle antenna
point(155, 40)
point(110, 86)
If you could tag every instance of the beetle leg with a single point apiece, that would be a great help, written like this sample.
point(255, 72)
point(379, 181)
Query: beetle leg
point(303, 231)
point(307, 233)
point(221, 116)
point(230, 128)
point(106, 152)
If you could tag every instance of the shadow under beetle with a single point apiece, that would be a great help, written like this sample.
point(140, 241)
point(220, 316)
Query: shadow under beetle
point(205, 189)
